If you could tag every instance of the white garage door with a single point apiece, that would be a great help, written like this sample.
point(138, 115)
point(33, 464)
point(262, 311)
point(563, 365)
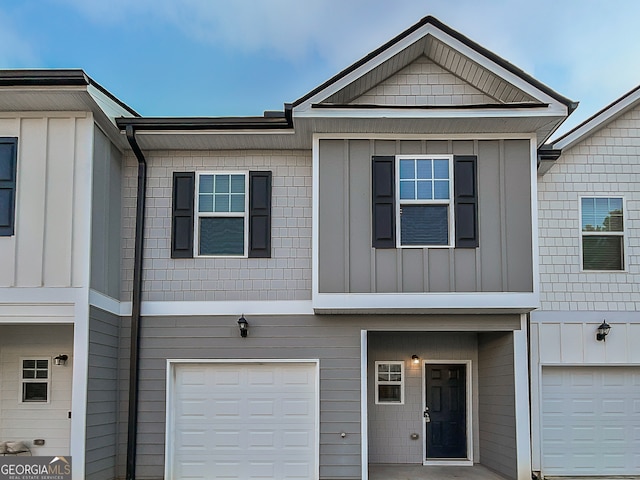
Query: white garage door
point(591, 420)
point(243, 421)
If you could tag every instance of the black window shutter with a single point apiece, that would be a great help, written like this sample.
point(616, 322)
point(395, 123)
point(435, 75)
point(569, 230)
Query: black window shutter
point(384, 202)
point(260, 214)
point(8, 165)
point(466, 200)
point(182, 214)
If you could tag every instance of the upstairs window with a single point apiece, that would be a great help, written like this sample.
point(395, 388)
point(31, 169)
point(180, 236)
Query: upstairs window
point(424, 204)
point(222, 221)
point(35, 380)
point(424, 201)
point(221, 214)
point(602, 231)
point(8, 164)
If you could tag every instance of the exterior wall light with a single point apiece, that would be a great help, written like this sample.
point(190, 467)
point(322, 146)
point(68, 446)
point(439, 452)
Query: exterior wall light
point(60, 359)
point(603, 331)
point(415, 359)
point(243, 325)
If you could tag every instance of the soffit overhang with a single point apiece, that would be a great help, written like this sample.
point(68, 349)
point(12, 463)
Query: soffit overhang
point(39, 92)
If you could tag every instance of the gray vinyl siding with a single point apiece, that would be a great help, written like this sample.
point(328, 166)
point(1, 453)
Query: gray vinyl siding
point(102, 395)
point(284, 276)
point(106, 217)
point(497, 413)
point(502, 263)
point(334, 340)
point(391, 426)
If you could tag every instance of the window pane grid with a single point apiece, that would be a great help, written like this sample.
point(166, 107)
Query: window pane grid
point(221, 193)
point(389, 382)
point(424, 201)
point(602, 230)
point(35, 380)
point(221, 227)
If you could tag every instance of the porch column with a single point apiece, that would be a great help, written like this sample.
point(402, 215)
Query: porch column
point(521, 381)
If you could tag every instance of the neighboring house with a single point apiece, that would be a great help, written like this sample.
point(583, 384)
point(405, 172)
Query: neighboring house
point(376, 239)
point(586, 388)
point(56, 204)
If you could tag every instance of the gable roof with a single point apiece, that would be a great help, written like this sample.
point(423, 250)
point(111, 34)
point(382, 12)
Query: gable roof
point(599, 120)
point(426, 21)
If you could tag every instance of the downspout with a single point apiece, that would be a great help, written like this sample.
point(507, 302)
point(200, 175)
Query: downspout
point(136, 295)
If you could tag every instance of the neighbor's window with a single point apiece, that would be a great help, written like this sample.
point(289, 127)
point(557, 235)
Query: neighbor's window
point(221, 228)
point(390, 382)
point(35, 380)
point(424, 201)
point(602, 233)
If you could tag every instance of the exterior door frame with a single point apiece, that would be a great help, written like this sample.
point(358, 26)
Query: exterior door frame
point(468, 409)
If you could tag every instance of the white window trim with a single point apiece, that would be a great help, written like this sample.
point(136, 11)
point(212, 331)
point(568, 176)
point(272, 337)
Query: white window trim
point(199, 215)
point(449, 203)
point(613, 234)
point(395, 382)
point(22, 381)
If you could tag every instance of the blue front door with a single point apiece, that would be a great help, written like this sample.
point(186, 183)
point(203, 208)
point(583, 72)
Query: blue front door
point(446, 411)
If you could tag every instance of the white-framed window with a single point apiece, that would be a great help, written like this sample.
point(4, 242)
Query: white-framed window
point(424, 201)
point(221, 209)
point(390, 382)
point(35, 380)
point(602, 233)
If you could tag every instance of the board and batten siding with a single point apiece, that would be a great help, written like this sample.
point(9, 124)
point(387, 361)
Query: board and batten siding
point(284, 276)
point(334, 340)
point(106, 216)
point(27, 421)
point(102, 395)
point(51, 235)
point(497, 410)
point(349, 264)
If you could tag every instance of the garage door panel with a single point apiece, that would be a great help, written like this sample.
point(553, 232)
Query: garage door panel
point(245, 421)
point(590, 424)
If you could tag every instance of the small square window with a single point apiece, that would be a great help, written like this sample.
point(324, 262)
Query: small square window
point(602, 231)
point(35, 380)
point(389, 382)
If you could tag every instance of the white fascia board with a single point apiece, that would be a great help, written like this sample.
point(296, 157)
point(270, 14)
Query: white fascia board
point(42, 295)
point(552, 110)
point(306, 107)
point(597, 122)
point(441, 302)
point(162, 309)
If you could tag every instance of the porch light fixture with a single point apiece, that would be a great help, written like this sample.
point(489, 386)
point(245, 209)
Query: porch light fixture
point(415, 359)
point(243, 325)
point(60, 359)
point(603, 331)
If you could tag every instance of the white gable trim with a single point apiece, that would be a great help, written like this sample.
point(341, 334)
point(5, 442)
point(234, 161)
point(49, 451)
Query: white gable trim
point(598, 121)
point(305, 108)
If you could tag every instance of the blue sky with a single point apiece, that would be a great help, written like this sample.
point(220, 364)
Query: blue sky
point(242, 57)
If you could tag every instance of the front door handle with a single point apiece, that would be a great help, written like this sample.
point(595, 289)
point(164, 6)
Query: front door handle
point(427, 417)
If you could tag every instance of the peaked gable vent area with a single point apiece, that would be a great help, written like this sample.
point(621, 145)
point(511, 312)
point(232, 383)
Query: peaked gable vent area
point(429, 73)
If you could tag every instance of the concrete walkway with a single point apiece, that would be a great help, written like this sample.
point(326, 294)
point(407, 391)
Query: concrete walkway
point(419, 472)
